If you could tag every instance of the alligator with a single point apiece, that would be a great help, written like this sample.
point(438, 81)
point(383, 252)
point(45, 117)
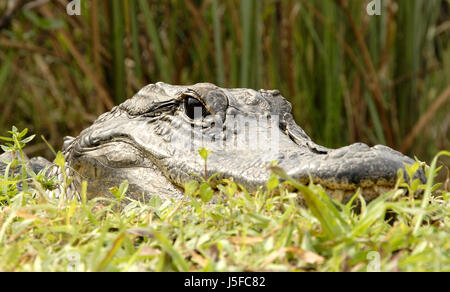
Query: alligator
point(152, 139)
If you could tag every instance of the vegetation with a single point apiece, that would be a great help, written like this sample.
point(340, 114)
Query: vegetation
point(271, 229)
point(350, 76)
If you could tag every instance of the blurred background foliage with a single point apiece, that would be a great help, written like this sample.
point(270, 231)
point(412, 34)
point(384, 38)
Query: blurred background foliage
point(350, 76)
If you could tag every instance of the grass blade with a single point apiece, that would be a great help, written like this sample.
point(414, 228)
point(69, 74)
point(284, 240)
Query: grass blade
point(118, 51)
point(218, 44)
point(154, 38)
point(247, 16)
point(429, 186)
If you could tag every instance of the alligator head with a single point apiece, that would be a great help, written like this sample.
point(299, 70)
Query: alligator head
point(152, 141)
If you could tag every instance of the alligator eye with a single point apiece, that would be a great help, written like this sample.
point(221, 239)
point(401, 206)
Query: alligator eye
point(193, 107)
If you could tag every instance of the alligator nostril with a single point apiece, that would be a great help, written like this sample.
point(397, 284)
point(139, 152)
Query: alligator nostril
point(94, 141)
point(89, 141)
point(85, 141)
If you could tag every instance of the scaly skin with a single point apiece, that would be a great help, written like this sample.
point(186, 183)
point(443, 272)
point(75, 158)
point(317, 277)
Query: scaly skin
point(146, 141)
point(151, 140)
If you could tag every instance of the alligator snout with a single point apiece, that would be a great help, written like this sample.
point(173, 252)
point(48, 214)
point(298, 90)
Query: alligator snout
point(351, 167)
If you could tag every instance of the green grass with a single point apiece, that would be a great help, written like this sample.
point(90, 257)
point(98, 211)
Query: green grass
point(269, 230)
point(350, 78)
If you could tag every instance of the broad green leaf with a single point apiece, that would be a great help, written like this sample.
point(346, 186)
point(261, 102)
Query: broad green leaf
point(204, 153)
point(206, 192)
point(60, 160)
point(191, 188)
point(28, 139)
point(272, 183)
